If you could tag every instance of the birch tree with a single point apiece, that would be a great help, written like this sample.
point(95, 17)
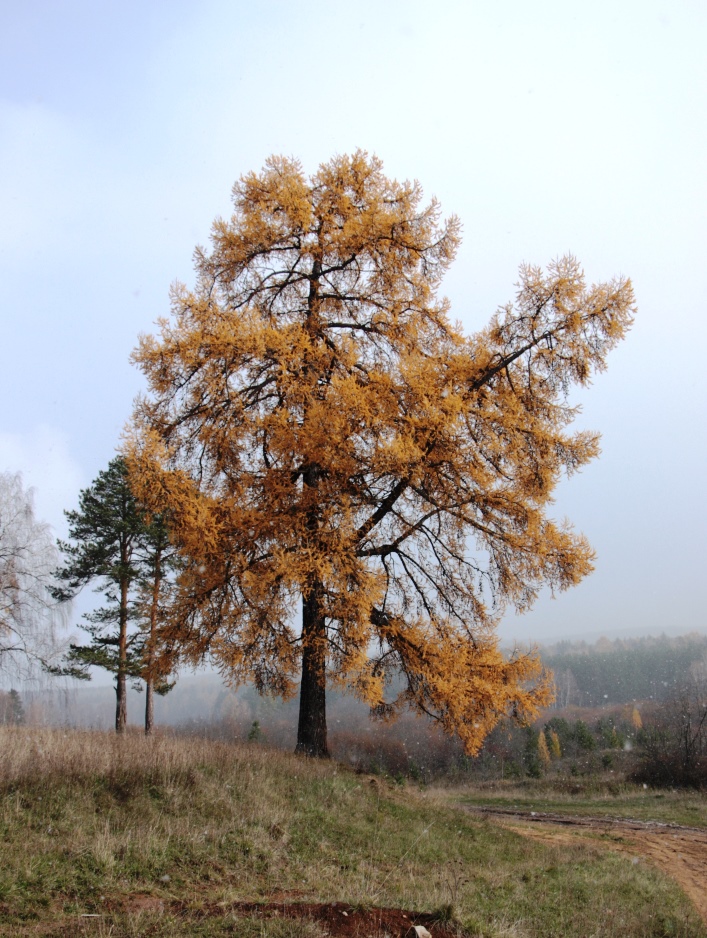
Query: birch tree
point(29, 615)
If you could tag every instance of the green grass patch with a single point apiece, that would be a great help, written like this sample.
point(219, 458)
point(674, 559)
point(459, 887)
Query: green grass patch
point(589, 798)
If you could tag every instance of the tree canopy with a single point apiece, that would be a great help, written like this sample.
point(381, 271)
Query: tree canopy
point(325, 436)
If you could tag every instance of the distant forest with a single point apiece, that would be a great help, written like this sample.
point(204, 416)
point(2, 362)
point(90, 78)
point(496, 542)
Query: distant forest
point(611, 699)
point(605, 673)
point(623, 670)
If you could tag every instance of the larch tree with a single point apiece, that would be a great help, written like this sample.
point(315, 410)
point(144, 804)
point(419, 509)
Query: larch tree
point(325, 438)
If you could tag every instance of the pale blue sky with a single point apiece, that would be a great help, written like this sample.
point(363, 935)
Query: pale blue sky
point(548, 126)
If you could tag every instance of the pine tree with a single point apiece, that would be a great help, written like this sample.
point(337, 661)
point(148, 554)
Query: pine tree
point(157, 560)
point(17, 711)
point(326, 438)
point(116, 546)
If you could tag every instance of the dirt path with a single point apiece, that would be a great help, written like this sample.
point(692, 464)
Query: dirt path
point(681, 852)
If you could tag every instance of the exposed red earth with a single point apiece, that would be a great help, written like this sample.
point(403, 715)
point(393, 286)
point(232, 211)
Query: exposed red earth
point(338, 919)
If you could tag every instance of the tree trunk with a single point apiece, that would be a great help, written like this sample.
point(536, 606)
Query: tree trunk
point(150, 680)
point(149, 707)
point(311, 729)
point(121, 704)
point(121, 708)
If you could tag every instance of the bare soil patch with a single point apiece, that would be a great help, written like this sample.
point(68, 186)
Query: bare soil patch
point(337, 919)
point(346, 921)
point(679, 851)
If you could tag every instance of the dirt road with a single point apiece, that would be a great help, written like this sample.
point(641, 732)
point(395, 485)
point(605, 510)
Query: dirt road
point(681, 852)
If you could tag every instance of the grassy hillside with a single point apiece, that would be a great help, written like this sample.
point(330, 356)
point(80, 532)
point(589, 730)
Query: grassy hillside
point(129, 837)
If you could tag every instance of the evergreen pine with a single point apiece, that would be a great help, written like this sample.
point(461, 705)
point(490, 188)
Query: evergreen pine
point(114, 545)
point(17, 711)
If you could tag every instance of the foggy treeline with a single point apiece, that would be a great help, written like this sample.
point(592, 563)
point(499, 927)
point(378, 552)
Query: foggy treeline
point(598, 688)
point(607, 672)
point(624, 670)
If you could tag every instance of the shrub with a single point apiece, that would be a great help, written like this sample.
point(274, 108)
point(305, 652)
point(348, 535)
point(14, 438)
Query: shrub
point(673, 745)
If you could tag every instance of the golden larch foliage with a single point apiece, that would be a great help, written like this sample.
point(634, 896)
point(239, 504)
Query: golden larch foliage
point(325, 438)
point(543, 751)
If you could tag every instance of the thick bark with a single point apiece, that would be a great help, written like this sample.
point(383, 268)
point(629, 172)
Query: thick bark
point(121, 709)
point(312, 729)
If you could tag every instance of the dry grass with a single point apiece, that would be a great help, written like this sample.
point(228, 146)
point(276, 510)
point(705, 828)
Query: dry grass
point(31, 754)
point(160, 837)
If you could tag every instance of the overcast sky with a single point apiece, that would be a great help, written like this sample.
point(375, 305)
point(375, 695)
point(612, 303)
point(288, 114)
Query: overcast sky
point(548, 126)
